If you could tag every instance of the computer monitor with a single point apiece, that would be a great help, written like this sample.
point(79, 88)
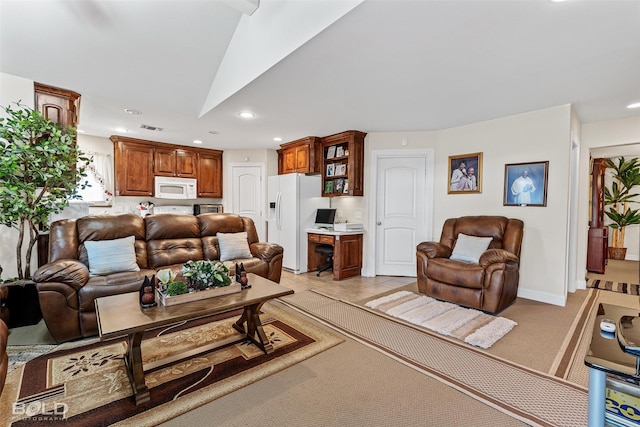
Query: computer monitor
point(325, 217)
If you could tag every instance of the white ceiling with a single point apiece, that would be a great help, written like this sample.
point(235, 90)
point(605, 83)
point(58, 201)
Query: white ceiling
point(381, 66)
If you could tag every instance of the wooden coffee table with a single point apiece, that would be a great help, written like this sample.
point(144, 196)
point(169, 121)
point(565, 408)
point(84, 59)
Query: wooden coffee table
point(120, 315)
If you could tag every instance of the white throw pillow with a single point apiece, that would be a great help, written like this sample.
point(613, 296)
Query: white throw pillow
point(233, 246)
point(111, 256)
point(470, 248)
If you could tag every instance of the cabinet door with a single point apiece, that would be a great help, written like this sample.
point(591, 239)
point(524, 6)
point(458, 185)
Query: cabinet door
point(164, 162)
point(209, 174)
point(289, 160)
point(133, 175)
point(186, 163)
point(347, 259)
point(57, 105)
point(302, 159)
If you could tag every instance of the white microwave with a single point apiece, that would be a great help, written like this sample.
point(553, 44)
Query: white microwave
point(167, 187)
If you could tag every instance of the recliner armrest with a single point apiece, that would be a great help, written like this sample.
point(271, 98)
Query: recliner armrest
point(493, 256)
point(68, 271)
point(434, 250)
point(265, 251)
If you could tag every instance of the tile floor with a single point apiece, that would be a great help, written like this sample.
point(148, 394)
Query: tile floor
point(353, 289)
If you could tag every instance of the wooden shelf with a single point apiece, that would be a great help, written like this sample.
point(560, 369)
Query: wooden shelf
point(345, 151)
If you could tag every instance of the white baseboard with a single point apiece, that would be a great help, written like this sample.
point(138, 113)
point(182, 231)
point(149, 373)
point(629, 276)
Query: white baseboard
point(581, 284)
point(560, 300)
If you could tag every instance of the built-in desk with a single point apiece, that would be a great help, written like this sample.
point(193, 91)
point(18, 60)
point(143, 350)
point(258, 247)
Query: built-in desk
point(347, 251)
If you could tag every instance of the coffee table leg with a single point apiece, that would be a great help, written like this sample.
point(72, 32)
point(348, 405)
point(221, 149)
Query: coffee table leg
point(135, 369)
point(254, 331)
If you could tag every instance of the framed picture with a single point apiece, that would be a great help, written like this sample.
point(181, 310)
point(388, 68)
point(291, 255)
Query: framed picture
point(525, 184)
point(331, 152)
point(341, 169)
point(340, 151)
point(465, 174)
point(330, 169)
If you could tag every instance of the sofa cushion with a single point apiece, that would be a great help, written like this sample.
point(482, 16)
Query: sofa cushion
point(456, 273)
point(469, 248)
point(233, 246)
point(111, 256)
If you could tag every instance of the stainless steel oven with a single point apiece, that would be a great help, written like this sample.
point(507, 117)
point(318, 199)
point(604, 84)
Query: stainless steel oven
point(209, 208)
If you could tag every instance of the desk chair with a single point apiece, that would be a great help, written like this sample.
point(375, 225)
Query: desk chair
point(327, 251)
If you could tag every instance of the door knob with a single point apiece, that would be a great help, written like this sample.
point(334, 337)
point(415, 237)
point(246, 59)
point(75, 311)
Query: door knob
point(379, 222)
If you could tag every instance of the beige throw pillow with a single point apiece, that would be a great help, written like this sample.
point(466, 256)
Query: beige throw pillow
point(111, 256)
point(233, 246)
point(470, 248)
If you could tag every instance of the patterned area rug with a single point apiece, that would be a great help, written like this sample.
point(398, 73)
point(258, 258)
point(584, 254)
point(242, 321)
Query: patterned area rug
point(532, 396)
point(89, 385)
point(471, 326)
point(625, 288)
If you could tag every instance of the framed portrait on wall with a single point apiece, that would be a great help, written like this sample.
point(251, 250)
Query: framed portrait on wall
point(525, 184)
point(465, 174)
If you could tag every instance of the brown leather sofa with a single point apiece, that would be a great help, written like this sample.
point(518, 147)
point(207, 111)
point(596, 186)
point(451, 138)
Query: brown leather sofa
point(491, 284)
point(4, 358)
point(66, 290)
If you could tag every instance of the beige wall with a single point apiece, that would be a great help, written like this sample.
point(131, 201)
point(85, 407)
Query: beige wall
point(597, 135)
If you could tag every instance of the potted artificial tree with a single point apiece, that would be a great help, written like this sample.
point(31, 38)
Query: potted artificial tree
point(626, 176)
point(40, 170)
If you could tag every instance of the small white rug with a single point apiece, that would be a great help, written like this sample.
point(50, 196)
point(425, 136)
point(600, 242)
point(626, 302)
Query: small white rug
point(471, 326)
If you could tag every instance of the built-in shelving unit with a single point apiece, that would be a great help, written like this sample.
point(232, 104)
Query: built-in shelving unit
point(343, 164)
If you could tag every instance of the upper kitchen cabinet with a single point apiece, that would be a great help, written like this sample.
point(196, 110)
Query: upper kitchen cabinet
point(209, 173)
point(301, 156)
point(137, 161)
point(343, 171)
point(133, 166)
point(57, 105)
point(175, 162)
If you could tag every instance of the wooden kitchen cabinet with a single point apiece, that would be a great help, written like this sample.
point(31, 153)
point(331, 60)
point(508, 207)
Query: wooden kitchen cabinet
point(133, 166)
point(57, 105)
point(301, 156)
point(210, 173)
point(179, 163)
point(343, 159)
point(137, 161)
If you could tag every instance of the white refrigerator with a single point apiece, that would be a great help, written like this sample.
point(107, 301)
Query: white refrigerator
point(293, 200)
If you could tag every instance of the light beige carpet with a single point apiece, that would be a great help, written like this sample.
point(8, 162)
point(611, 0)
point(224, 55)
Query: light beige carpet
point(528, 395)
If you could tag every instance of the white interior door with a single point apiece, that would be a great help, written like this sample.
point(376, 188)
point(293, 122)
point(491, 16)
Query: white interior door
point(247, 190)
point(401, 214)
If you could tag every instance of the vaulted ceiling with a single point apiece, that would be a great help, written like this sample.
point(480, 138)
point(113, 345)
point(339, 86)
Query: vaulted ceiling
point(317, 67)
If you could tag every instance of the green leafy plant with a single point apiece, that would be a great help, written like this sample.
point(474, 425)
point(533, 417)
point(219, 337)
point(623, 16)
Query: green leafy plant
point(41, 169)
point(626, 176)
point(206, 274)
point(177, 288)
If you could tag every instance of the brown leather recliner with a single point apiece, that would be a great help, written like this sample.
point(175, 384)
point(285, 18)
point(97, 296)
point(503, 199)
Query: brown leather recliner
point(67, 292)
point(4, 357)
point(491, 284)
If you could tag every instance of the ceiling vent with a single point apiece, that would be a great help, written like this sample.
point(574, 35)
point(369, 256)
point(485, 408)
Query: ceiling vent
point(147, 127)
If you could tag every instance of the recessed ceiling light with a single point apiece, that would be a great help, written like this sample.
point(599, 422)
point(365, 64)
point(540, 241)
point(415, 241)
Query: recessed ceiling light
point(197, 141)
point(123, 130)
point(132, 111)
point(634, 105)
point(277, 139)
point(247, 115)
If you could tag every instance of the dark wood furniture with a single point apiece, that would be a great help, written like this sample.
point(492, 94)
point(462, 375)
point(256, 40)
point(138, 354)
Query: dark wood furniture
point(137, 161)
point(343, 150)
point(347, 252)
point(122, 315)
point(598, 233)
point(300, 156)
point(57, 105)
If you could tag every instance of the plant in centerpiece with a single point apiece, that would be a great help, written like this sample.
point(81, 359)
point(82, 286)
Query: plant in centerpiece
point(168, 285)
point(205, 274)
